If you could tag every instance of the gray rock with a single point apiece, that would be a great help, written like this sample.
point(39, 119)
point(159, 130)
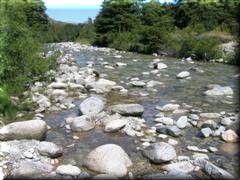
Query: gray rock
point(183, 74)
point(91, 106)
point(194, 117)
point(212, 170)
point(174, 131)
point(115, 125)
point(182, 122)
point(127, 109)
point(68, 170)
point(210, 115)
point(206, 132)
point(108, 159)
point(100, 86)
point(200, 155)
point(168, 107)
point(219, 91)
point(138, 83)
point(28, 169)
point(165, 120)
point(58, 85)
point(160, 66)
point(120, 64)
point(226, 121)
point(82, 123)
point(209, 123)
point(183, 166)
point(153, 83)
point(160, 152)
point(49, 149)
point(196, 149)
point(33, 129)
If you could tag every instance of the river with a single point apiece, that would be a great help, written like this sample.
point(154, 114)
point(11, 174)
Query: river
point(180, 91)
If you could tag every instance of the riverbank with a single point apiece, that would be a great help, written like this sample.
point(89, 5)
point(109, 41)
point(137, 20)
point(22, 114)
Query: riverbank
point(98, 97)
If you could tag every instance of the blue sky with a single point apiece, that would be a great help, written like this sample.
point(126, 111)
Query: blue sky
point(75, 4)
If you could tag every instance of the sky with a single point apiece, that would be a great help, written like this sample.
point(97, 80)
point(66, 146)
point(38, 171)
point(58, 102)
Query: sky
point(75, 11)
point(90, 4)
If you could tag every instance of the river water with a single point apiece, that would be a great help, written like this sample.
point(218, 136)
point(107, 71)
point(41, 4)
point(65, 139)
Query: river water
point(189, 91)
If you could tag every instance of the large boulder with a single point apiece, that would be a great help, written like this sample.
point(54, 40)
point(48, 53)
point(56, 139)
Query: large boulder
point(91, 106)
point(33, 129)
point(127, 109)
point(108, 159)
point(82, 123)
point(160, 152)
point(49, 149)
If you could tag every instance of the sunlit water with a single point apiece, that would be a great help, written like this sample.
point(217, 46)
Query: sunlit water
point(173, 90)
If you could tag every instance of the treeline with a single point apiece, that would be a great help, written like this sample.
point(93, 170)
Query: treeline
point(188, 28)
point(23, 28)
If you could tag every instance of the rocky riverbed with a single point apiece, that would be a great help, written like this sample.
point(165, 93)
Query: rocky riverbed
point(113, 114)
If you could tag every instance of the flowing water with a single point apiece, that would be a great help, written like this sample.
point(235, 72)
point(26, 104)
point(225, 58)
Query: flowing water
point(189, 91)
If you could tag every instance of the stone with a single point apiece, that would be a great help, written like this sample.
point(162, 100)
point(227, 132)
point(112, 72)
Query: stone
point(162, 136)
point(108, 159)
point(170, 130)
point(194, 117)
point(160, 152)
point(138, 83)
point(182, 122)
point(32, 129)
point(160, 66)
point(120, 64)
point(226, 121)
point(183, 158)
point(183, 74)
point(230, 136)
point(212, 170)
point(208, 123)
point(49, 149)
point(82, 123)
point(218, 90)
point(27, 169)
point(200, 155)
point(196, 149)
point(172, 142)
point(57, 85)
point(165, 120)
point(115, 125)
point(212, 149)
point(183, 166)
point(100, 86)
point(68, 170)
point(91, 106)
point(127, 109)
point(210, 115)
point(153, 83)
point(206, 132)
point(168, 107)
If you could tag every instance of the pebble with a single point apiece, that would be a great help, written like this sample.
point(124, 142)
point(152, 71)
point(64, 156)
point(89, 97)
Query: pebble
point(172, 142)
point(206, 132)
point(200, 155)
point(146, 144)
point(195, 148)
point(183, 158)
point(162, 136)
point(212, 149)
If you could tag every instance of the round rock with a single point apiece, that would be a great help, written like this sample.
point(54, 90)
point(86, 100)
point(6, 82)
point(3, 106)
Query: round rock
point(160, 152)
point(68, 170)
point(49, 149)
point(108, 159)
point(91, 106)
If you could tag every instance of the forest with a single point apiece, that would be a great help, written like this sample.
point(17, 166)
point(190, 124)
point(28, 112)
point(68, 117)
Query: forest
point(184, 29)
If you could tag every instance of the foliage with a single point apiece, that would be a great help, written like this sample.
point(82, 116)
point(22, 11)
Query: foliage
point(185, 28)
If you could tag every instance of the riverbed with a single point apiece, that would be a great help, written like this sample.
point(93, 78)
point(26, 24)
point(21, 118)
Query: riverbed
point(180, 91)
